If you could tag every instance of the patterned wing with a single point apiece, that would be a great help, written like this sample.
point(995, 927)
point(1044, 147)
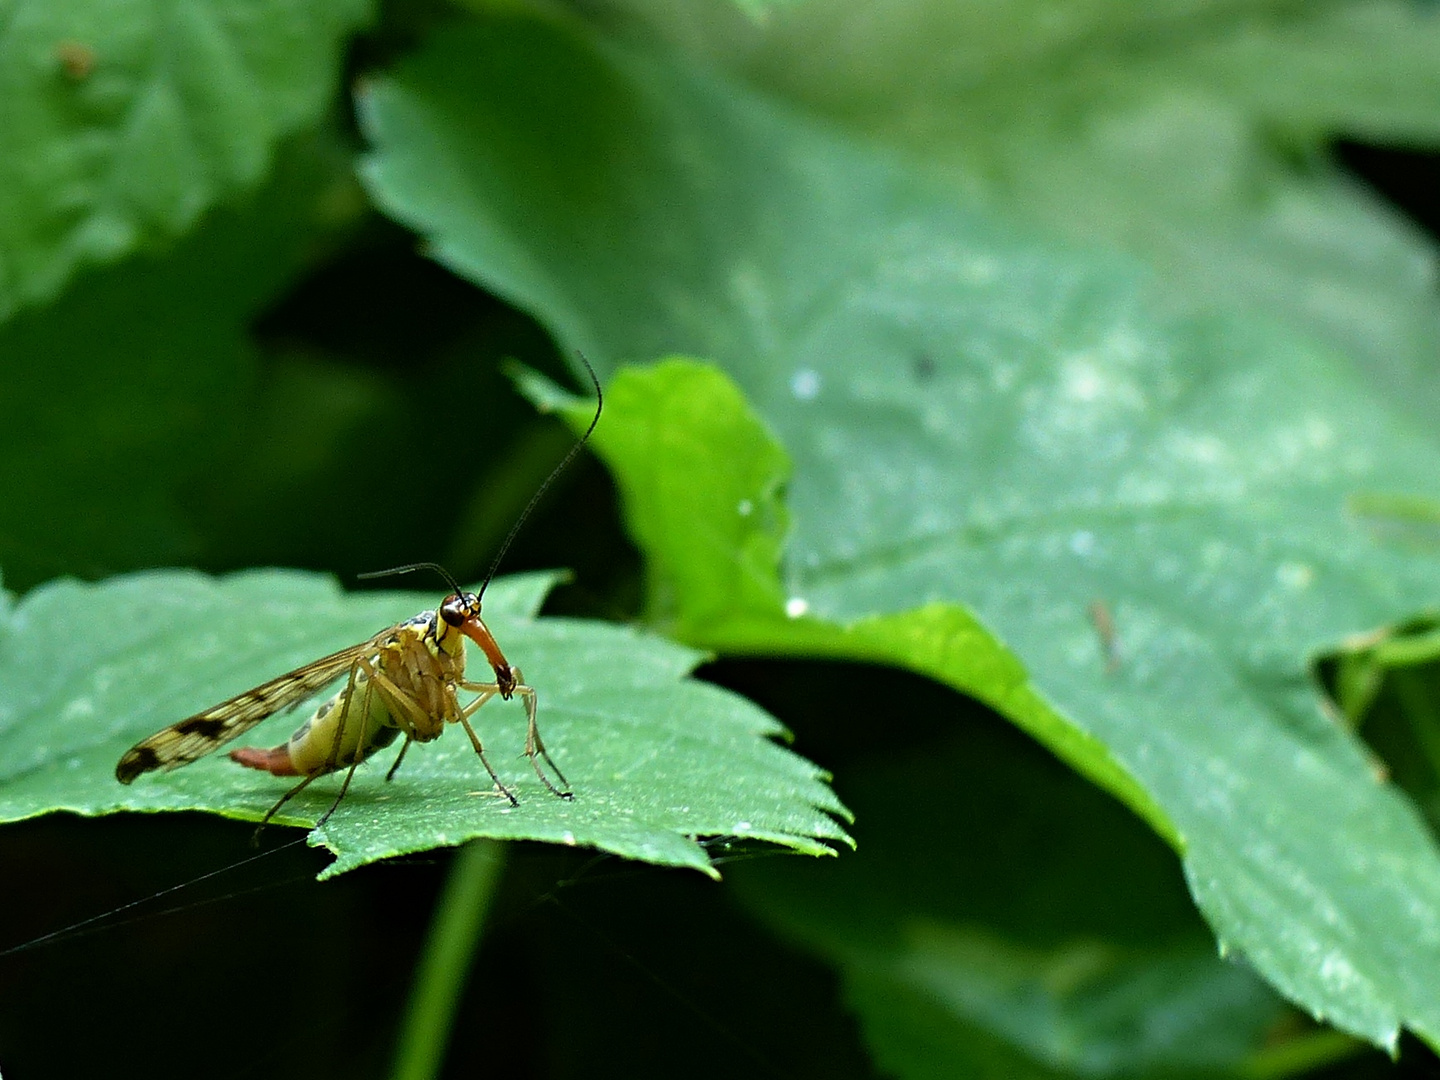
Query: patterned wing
point(196, 736)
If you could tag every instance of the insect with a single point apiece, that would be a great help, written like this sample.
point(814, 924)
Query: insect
point(403, 681)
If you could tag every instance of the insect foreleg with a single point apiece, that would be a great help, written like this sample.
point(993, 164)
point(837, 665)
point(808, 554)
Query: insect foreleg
point(486, 692)
point(534, 745)
point(480, 752)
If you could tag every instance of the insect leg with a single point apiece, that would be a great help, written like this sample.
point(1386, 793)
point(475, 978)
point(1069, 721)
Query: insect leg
point(330, 760)
point(486, 690)
point(400, 704)
point(355, 755)
point(399, 758)
point(404, 709)
point(533, 743)
point(301, 786)
point(480, 752)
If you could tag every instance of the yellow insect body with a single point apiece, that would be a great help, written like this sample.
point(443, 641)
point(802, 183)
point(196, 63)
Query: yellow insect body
point(318, 737)
point(418, 661)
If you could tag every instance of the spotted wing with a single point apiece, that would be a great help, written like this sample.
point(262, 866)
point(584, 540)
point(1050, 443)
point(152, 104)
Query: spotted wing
point(196, 736)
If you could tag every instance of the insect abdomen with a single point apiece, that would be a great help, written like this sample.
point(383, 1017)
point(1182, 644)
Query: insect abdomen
point(312, 749)
point(275, 760)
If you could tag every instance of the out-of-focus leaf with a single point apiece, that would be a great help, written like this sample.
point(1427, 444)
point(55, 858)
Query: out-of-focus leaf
point(1016, 469)
point(655, 759)
point(1192, 134)
point(121, 123)
point(124, 399)
point(1054, 939)
point(925, 69)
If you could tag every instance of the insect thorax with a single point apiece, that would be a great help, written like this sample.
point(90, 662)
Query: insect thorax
point(424, 659)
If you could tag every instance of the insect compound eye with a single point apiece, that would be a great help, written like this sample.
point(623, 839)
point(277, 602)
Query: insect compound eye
point(453, 610)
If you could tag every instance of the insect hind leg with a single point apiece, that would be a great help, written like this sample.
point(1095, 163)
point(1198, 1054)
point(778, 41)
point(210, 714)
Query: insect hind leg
point(358, 754)
point(332, 759)
point(301, 786)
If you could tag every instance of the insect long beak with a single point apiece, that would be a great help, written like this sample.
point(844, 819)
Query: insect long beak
point(478, 632)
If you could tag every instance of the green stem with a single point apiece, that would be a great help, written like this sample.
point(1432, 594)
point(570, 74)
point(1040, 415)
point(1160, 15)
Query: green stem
point(1416, 696)
point(1302, 1054)
point(445, 962)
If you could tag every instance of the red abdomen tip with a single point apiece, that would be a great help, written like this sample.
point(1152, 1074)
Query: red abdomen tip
point(276, 761)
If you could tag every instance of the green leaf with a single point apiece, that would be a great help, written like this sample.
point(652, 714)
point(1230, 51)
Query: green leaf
point(1366, 66)
point(685, 594)
point(1196, 137)
point(990, 438)
point(1084, 957)
point(713, 549)
point(655, 760)
point(123, 123)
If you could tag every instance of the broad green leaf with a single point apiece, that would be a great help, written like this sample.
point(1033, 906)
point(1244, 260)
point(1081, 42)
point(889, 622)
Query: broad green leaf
point(1193, 135)
point(122, 123)
point(990, 438)
point(713, 549)
point(1084, 957)
point(655, 759)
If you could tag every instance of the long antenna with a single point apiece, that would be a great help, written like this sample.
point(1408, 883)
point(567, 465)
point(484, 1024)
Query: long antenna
point(409, 568)
point(514, 529)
